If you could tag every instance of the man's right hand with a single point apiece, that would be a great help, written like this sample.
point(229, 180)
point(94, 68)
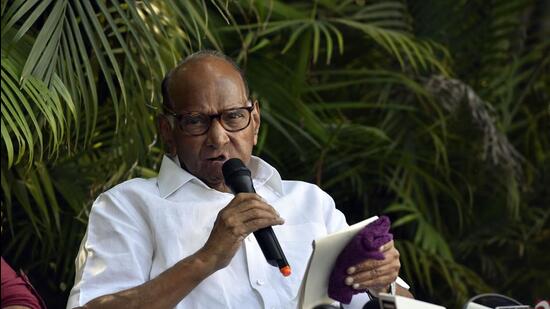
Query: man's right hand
point(245, 214)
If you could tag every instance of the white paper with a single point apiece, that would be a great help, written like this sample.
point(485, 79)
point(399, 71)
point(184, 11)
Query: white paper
point(401, 302)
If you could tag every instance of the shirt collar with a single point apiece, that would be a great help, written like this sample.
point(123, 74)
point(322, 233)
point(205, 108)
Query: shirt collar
point(264, 174)
point(172, 177)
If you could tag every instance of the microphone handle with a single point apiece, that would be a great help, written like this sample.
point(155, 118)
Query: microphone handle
point(270, 247)
point(266, 237)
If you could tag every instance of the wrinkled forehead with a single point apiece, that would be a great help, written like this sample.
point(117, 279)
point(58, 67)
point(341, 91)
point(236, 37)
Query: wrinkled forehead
point(206, 84)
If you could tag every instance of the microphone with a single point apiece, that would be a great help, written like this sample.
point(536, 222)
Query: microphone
point(237, 178)
point(372, 304)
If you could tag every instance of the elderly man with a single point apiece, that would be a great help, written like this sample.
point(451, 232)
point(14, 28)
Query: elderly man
point(182, 240)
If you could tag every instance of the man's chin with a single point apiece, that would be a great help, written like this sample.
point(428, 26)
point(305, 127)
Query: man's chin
point(215, 181)
point(213, 176)
point(218, 185)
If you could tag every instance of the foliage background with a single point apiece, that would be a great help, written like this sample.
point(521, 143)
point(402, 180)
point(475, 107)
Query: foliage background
point(433, 112)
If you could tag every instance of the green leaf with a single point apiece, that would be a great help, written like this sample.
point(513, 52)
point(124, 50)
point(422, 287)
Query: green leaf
point(29, 22)
point(404, 220)
point(9, 147)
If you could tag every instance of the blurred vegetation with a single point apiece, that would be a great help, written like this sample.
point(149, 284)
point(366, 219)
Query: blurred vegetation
point(435, 112)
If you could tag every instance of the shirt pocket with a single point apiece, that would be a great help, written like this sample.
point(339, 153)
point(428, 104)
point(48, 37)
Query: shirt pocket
point(296, 240)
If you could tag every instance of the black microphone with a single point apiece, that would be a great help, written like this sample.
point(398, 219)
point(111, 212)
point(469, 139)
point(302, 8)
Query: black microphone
point(372, 304)
point(237, 178)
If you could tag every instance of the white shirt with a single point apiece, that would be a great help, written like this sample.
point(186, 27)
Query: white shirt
point(140, 228)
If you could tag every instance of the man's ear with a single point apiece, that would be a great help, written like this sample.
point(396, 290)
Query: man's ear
point(256, 120)
point(166, 134)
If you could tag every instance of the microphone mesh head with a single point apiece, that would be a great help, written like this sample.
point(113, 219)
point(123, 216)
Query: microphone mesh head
point(234, 167)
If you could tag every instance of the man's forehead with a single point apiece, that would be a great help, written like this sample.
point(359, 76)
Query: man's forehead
point(199, 78)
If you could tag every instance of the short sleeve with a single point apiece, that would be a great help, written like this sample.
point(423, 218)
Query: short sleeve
point(116, 252)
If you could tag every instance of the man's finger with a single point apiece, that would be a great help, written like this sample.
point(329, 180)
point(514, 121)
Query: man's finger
point(256, 224)
point(388, 269)
point(387, 246)
point(246, 205)
point(241, 197)
point(389, 257)
point(384, 280)
point(367, 266)
point(258, 213)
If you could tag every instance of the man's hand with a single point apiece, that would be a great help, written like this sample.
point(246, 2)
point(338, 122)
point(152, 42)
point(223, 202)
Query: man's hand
point(376, 275)
point(245, 214)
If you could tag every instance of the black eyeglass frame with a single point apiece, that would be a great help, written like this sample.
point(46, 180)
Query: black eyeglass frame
point(211, 117)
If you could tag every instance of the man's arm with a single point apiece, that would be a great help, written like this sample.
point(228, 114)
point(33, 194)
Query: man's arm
point(246, 213)
point(166, 290)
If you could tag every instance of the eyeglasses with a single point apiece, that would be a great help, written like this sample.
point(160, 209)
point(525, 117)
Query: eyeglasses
point(232, 120)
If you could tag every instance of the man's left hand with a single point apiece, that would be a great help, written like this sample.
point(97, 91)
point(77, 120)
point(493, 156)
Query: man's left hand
point(376, 275)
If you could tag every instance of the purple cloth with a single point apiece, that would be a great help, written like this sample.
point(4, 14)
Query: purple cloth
point(363, 246)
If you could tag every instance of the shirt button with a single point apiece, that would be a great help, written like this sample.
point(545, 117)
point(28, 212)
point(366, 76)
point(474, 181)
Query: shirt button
point(260, 282)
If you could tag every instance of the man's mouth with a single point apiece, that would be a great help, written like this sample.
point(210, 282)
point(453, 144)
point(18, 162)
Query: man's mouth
point(218, 158)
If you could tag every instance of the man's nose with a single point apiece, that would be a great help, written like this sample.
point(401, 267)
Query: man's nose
point(216, 135)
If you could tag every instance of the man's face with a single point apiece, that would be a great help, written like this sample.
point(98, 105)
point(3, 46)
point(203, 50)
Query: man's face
point(209, 85)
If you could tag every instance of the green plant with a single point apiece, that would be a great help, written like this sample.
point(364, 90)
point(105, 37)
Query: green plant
point(434, 112)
